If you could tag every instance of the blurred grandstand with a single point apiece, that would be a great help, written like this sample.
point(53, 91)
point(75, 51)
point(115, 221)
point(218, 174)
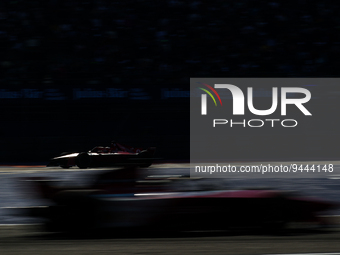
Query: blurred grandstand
point(163, 43)
point(76, 73)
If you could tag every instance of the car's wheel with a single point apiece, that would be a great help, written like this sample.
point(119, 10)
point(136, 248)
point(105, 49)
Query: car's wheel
point(143, 158)
point(83, 160)
point(64, 163)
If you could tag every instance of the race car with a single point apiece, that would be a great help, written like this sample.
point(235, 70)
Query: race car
point(114, 155)
point(129, 198)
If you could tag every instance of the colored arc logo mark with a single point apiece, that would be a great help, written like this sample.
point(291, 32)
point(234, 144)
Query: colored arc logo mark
point(211, 88)
point(209, 95)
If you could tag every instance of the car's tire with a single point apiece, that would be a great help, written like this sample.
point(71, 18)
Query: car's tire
point(83, 160)
point(63, 163)
point(144, 155)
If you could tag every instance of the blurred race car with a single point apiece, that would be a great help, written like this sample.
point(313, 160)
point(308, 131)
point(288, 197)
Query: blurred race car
point(130, 199)
point(114, 155)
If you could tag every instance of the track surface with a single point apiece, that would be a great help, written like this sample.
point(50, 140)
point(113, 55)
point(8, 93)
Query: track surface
point(16, 193)
point(27, 239)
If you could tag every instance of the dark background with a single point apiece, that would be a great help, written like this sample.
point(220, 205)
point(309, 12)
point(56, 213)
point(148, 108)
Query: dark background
point(54, 47)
